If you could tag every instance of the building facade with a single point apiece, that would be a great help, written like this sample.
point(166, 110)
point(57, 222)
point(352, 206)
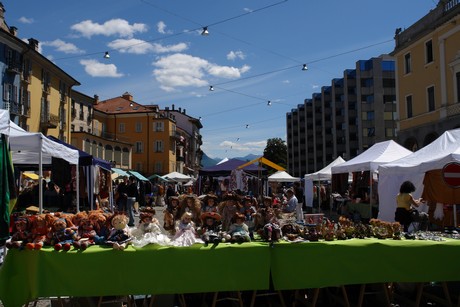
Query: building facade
point(346, 118)
point(428, 76)
point(34, 89)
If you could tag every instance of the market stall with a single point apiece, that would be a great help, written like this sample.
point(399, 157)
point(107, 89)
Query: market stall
point(415, 167)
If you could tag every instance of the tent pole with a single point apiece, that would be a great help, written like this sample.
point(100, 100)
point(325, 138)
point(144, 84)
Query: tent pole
point(78, 187)
point(40, 178)
point(371, 174)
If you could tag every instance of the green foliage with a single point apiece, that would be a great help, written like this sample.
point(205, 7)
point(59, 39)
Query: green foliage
point(276, 151)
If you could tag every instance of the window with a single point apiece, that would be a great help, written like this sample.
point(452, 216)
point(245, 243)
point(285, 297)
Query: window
point(158, 167)
point(369, 132)
point(428, 52)
point(139, 147)
point(389, 132)
point(138, 127)
point(407, 64)
point(430, 97)
point(409, 106)
point(158, 146)
point(121, 128)
point(159, 127)
point(7, 88)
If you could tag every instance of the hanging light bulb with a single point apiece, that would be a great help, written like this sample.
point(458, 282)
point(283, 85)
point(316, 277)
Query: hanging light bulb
point(205, 31)
point(269, 103)
point(304, 67)
point(106, 55)
point(211, 88)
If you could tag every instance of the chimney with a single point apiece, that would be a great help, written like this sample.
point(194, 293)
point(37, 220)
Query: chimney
point(14, 31)
point(180, 110)
point(33, 43)
point(172, 107)
point(183, 112)
point(127, 96)
point(96, 99)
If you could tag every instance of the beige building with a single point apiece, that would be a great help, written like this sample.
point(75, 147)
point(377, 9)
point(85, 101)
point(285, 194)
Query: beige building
point(428, 76)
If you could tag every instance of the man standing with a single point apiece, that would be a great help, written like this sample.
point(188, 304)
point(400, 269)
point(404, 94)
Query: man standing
point(122, 196)
point(132, 192)
point(293, 205)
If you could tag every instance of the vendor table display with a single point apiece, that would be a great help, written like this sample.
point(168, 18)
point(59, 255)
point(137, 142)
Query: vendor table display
point(98, 271)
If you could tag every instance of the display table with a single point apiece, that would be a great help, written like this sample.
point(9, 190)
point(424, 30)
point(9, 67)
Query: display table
point(361, 261)
point(26, 275)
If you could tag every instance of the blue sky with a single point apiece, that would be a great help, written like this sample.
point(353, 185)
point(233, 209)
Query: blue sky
point(254, 53)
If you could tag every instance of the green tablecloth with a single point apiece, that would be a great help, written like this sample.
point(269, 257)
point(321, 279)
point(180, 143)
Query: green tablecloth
point(26, 275)
point(322, 264)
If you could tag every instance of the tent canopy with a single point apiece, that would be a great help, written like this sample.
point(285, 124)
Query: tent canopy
point(4, 122)
point(325, 173)
point(369, 160)
point(434, 156)
point(262, 160)
point(225, 168)
point(282, 176)
point(138, 175)
point(177, 177)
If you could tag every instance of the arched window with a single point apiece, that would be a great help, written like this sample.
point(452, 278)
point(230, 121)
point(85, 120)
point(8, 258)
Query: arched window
point(125, 157)
point(117, 155)
point(108, 152)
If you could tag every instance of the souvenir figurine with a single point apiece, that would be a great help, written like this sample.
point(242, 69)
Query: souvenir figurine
point(170, 214)
point(211, 229)
point(61, 235)
point(185, 232)
point(39, 229)
point(21, 234)
point(148, 231)
point(191, 204)
point(272, 230)
point(119, 235)
point(76, 218)
point(100, 225)
point(291, 231)
point(209, 203)
point(227, 209)
point(85, 234)
point(239, 231)
point(249, 211)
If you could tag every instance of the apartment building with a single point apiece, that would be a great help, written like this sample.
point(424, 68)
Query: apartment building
point(428, 76)
point(35, 90)
point(345, 118)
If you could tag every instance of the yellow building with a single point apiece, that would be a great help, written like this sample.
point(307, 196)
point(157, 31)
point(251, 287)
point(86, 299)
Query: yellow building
point(428, 76)
point(151, 133)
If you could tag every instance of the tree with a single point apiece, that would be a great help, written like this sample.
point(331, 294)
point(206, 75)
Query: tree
point(276, 151)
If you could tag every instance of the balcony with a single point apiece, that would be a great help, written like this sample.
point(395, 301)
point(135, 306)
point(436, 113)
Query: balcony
point(48, 120)
point(46, 89)
point(13, 67)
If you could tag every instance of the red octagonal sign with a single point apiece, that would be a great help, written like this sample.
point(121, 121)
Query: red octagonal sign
point(451, 174)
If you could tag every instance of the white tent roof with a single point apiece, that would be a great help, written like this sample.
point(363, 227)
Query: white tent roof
point(26, 146)
point(435, 155)
point(325, 173)
point(282, 176)
point(222, 161)
point(4, 122)
point(369, 160)
point(176, 176)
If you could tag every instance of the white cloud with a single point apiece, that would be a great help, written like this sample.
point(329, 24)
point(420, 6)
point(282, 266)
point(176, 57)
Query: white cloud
point(233, 55)
point(138, 46)
point(25, 20)
point(247, 10)
point(181, 70)
point(286, 81)
point(62, 46)
point(119, 27)
point(97, 69)
point(314, 86)
point(161, 28)
point(248, 146)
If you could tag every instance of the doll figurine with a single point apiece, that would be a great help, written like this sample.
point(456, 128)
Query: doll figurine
point(148, 231)
point(39, 231)
point(61, 235)
point(211, 229)
point(185, 232)
point(239, 231)
point(100, 225)
point(21, 234)
point(191, 204)
point(249, 211)
point(170, 214)
point(85, 234)
point(209, 203)
point(119, 235)
point(272, 230)
point(227, 208)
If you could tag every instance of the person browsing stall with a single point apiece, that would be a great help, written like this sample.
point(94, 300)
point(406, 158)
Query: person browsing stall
point(404, 202)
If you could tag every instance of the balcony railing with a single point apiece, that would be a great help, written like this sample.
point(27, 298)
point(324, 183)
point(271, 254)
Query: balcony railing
point(48, 120)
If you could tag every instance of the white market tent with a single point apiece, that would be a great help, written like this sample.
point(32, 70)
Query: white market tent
point(32, 148)
point(436, 155)
point(282, 176)
point(4, 122)
point(177, 177)
point(323, 174)
point(376, 155)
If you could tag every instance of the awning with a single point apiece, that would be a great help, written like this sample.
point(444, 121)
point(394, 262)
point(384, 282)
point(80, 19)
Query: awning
point(31, 175)
point(119, 171)
point(138, 176)
point(155, 176)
